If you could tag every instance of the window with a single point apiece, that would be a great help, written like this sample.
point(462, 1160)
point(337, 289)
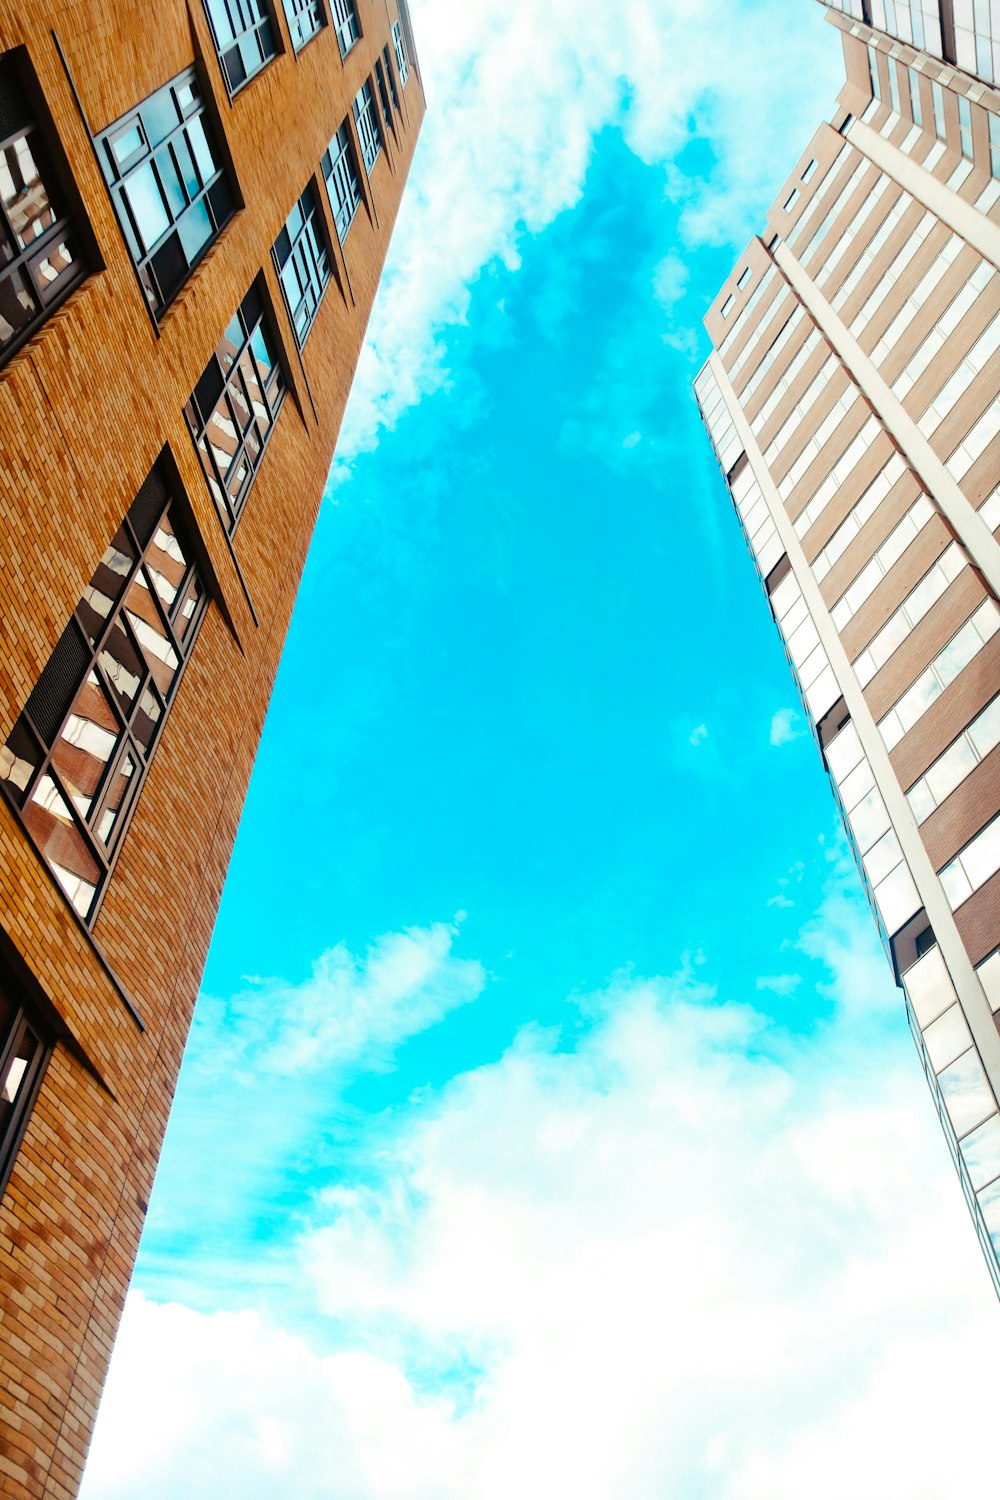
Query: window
point(23, 1056)
point(383, 93)
point(39, 258)
point(994, 144)
point(937, 100)
point(810, 169)
point(76, 757)
point(965, 125)
point(345, 21)
point(401, 59)
point(894, 87)
point(391, 77)
point(368, 126)
point(302, 263)
point(305, 18)
point(915, 109)
point(873, 72)
point(235, 405)
point(791, 200)
point(243, 31)
point(340, 173)
point(169, 187)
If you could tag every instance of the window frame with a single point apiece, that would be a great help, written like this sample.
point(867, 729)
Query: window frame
point(37, 128)
point(119, 171)
point(346, 24)
point(267, 18)
point(21, 1020)
point(294, 11)
point(313, 218)
point(158, 497)
point(231, 507)
point(346, 173)
point(399, 46)
point(365, 109)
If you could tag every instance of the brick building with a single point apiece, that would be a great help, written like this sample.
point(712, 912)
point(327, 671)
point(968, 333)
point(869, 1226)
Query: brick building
point(195, 205)
point(852, 403)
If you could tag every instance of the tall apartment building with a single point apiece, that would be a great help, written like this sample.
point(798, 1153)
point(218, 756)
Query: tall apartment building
point(196, 199)
point(851, 399)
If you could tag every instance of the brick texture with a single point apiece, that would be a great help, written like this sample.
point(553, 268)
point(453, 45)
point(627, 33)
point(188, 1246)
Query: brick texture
point(85, 409)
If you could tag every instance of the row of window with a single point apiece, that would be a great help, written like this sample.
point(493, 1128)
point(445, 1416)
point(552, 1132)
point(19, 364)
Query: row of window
point(170, 183)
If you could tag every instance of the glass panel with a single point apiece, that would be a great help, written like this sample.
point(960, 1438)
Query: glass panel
point(989, 1203)
point(187, 608)
point(146, 719)
point(23, 192)
point(104, 589)
point(145, 620)
point(202, 151)
point(966, 1092)
point(947, 1038)
point(17, 305)
point(19, 760)
point(238, 403)
point(146, 202)
point(52, 826)
point(16, 1071)
point(86, 744)
point(127, 144)
point(122, 783)
point(195, 230)
point(981, 1150)
point(58, 261)
point(123, 666)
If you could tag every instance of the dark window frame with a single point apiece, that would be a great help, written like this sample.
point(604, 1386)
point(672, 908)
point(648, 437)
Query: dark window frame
point(158, 264)
point(347, 25)
point(365, 111)
point(346, 195)
point(295, 11)
point(266, 22)
point(399, 46)
point(24, 116)
point(76, 664)
point(388, 114)
point(253, 317)
point(307, 246)
point(16, 1028)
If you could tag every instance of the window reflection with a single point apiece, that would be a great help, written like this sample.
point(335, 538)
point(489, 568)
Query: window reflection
point(74, 762)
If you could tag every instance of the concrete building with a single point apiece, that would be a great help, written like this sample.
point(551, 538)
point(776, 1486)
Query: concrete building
point(195, 205)
point(852, 402)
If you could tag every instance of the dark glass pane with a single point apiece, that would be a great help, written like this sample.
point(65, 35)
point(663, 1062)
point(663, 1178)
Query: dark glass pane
point(57, 834)
point(53, 267)
point(146, 719)
point(19, 760)
point(18, 305)
point(23, 193)
point(170, 266)
point(122, 781)
point(104, 589)
point(86, 745)
point(221, 200)
point(17, 1071)
point(123, 666)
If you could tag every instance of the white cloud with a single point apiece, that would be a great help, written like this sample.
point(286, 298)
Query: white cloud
point(518, 93)
point(698, 735)
point(350, 1010)
point(779, 984)
point(696, 1254)
point(786, 725)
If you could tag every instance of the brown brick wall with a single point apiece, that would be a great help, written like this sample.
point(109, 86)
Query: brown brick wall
point(84, 410)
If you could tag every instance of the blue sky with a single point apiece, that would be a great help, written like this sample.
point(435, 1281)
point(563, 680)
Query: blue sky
point(548, 1083)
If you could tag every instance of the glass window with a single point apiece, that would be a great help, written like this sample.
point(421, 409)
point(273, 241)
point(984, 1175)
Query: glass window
point(236, 403)
point(383, 93)
point(390, 77)
point(243, 31)
point(302, 262)
point(894, 87)
point(170, 189)
point(345, 21)
point(340, 174)
point(915, 109)
point(873, 72)
point(994, 122)
point(368, 127)
point(24, 1052)
point(937, 100)
point(965, 125)
point(399, 45)
point(75, 760)
point(39, 257)
point(305, 18)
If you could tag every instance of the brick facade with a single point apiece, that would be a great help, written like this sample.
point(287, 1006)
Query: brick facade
point(86, 408)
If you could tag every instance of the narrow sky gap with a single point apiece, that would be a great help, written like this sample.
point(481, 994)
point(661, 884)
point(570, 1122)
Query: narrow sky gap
point(549, 1125)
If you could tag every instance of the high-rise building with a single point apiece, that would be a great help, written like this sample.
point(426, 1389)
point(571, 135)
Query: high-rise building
point(851, 399)
point(195, 205)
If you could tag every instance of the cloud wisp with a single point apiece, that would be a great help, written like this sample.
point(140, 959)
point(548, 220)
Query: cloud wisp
point(518, 95)
point(691, 1253)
